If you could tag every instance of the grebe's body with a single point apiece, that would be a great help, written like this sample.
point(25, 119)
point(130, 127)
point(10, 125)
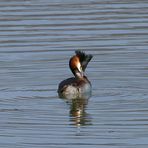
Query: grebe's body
point(79, 85)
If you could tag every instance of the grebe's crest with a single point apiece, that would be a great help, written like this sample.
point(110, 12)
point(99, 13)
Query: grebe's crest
point(84, 58)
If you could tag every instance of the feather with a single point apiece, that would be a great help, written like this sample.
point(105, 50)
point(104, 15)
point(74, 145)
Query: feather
point(84, 58)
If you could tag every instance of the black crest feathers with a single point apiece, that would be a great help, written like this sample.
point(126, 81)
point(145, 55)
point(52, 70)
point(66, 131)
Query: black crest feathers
point(84, 58)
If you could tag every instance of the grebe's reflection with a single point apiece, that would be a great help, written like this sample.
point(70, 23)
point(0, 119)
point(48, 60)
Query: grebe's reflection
point(77, 113)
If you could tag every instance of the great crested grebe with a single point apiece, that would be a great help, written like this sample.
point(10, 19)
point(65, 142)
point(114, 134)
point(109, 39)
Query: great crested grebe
point(79, 85)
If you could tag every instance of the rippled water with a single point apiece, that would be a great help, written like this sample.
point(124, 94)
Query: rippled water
point(37, 37)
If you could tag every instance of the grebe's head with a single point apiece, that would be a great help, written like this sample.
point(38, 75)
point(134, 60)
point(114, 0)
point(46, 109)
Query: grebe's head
point(78, 63)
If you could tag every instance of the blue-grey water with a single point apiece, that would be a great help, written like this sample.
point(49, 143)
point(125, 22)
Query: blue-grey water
point(37, 38)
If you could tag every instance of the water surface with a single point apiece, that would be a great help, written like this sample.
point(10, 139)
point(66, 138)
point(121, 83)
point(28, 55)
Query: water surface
point(37, 37)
